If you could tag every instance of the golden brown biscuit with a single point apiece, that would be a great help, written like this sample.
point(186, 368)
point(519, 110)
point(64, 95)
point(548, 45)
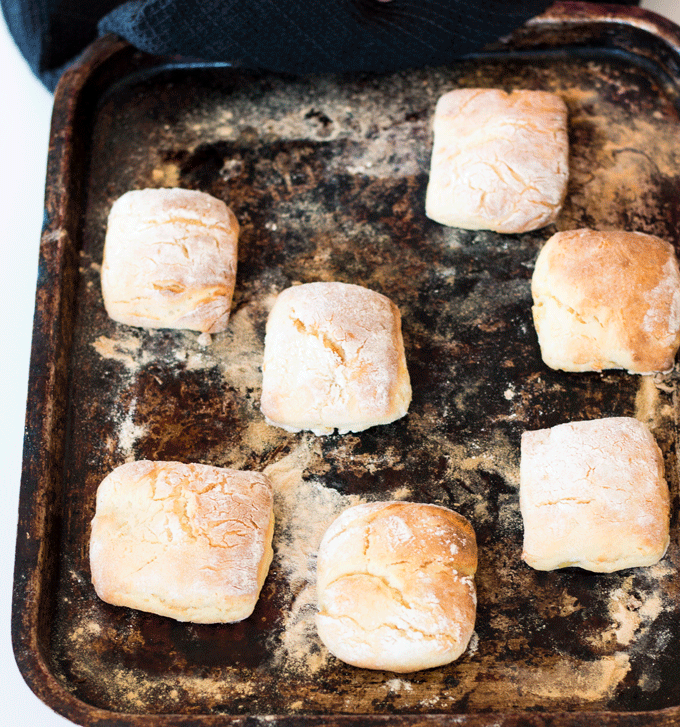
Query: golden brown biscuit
point(500, 161)
point(334, 358)
point(188, 541)
point(607, 300)
point(170, 260)
point(593, 495)
point(395, 584)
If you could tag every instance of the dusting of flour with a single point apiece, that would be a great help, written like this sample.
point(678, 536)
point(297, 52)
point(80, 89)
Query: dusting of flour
point(303, 509)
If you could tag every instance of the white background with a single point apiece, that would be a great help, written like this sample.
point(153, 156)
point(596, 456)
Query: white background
point(25, 108)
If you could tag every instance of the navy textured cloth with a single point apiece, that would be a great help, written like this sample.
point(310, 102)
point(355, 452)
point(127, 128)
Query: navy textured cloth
point(293, 36)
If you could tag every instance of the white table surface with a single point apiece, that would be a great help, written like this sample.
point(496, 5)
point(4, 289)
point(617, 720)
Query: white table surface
point(25, 109)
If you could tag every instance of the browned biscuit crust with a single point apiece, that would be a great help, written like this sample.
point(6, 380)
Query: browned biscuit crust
point(607, 300)
point(395, 585)
point(188, 541)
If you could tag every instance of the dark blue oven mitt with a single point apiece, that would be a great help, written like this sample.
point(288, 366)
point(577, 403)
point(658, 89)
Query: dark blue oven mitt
point(293, 36)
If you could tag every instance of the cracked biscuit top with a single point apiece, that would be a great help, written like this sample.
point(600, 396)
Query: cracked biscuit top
point(607, 300)
point(170, 260)
point(500, 161)
point(188, 541)
point(395, 585)
point(333, 358)
point(593, 495)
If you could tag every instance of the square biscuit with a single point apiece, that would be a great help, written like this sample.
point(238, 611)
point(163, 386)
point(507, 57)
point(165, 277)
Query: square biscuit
point(170, 260)
point(187, 541)
point(500, 161)
point(333, 358)
point(605, 300)
point(593, 495)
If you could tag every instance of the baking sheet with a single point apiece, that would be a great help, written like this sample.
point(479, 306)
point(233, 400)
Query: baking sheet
point(327, 177)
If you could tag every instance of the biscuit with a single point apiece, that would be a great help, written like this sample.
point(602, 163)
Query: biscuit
point(607, 300)
point(187, 541)
point(333, 358)
point(500, 161)
point(593, 495)
point(395, 585)
point(170, 260)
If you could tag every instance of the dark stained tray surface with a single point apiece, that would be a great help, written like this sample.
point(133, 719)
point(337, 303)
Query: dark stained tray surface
point(327, 177)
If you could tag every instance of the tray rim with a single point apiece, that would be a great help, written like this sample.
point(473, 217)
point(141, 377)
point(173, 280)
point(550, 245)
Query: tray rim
point(45, 427)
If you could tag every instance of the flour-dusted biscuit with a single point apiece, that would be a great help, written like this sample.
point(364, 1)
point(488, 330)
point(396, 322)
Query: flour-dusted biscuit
point(607, 300)
point(334, 358)
point(500, 161)
point(170, 260)
point(395, 585)
point(593, 494)
point(188, 541)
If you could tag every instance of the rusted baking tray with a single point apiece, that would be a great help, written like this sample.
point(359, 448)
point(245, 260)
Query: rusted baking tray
point(327, 176)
